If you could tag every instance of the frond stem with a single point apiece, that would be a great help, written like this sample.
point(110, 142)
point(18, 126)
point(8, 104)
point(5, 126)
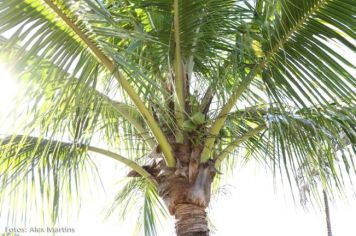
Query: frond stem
point(234, 144)
point(133, 165)
point(179, 84)
point(123, 109)
point(218, 124)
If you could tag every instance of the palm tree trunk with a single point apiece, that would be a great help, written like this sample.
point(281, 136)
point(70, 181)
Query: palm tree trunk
point(191, 220)
point(185, 189)
point(187, 200)
point(327, 213)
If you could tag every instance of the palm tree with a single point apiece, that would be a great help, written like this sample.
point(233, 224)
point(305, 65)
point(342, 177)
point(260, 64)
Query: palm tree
point(308, 183)
point(327, 214)
point(175, 90)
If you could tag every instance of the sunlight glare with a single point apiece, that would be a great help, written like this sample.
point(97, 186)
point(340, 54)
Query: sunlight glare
point(9, 88)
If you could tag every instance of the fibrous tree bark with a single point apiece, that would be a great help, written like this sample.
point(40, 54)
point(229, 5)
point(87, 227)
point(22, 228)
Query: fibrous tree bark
point(185, 189)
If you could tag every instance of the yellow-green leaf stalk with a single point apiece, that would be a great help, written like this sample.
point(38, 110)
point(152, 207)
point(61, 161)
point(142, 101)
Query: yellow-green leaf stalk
point(179, 84)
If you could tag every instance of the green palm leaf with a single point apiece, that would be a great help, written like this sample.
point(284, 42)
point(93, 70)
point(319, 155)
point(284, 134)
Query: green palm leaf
point(301, 57)
point(287, 139)
point(136, 193)
point(50, 165)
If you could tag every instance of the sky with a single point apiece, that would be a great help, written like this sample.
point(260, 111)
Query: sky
point(251, 205)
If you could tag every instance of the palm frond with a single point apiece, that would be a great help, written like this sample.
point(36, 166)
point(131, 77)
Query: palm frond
point(130, 91)
point(78, 42)
point(43, 168)
point(51, 90)
point(139, 196)
point(302, 58)
point(310, 136)
point(48, 166)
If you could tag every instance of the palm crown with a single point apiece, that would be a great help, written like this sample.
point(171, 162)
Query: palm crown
point(182, 84)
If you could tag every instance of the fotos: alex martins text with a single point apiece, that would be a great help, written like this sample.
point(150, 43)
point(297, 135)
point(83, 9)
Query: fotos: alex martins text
point(35, 229)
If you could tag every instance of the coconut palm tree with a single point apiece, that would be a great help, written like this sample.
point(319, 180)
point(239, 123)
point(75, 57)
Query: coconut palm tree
point(308, 184)
point(327, 214)
point(176, 90)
